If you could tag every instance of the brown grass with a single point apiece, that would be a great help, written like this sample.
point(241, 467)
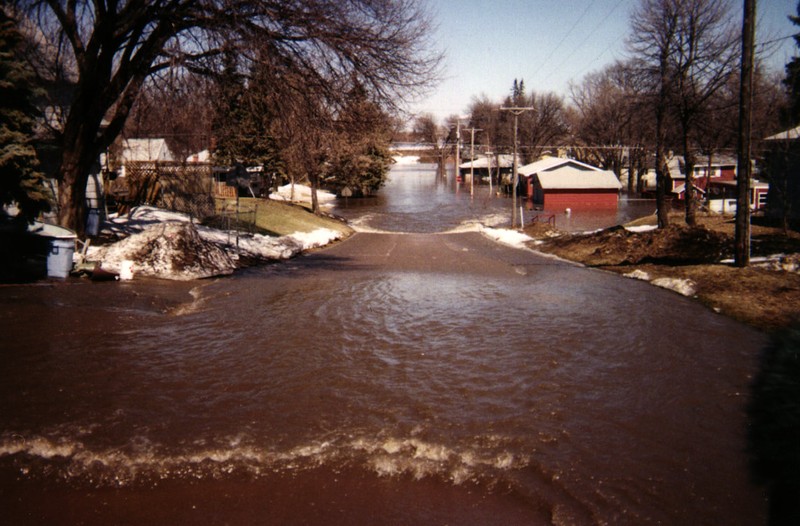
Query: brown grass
point(766, 298)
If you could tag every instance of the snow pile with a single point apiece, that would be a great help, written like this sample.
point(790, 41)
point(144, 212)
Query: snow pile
point(169, 250)
point(638, 274)
point(302, 194)
point(252, 245)
point(642, 228)
point(318, 238)
point(167, 245)
point(507, 237)
point(685, 287)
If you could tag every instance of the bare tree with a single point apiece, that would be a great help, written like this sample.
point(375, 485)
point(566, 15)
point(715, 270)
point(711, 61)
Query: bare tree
point(608, 120)
point(111, 47)
point(654, 25)
point(705, 57)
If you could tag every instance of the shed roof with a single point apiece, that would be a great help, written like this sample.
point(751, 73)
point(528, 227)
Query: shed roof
point(571, 178)
point(482, 162)
point(552, 163)
point(787, 135)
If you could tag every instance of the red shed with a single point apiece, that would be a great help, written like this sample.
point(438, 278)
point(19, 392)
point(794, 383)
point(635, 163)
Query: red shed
point(556, 184)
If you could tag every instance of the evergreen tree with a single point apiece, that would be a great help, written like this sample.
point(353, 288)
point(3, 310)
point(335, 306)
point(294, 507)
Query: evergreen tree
point(20, 182)
point(360, 157)
point(244, 116)
point(792, 80)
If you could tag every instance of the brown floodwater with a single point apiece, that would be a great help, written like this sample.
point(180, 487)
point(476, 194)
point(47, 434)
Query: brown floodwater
point(415, 378)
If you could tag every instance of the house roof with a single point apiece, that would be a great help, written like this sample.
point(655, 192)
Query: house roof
point(787, 135)
point(571, 178)
point(146, 150)
point(482, 162)
point(553, 163)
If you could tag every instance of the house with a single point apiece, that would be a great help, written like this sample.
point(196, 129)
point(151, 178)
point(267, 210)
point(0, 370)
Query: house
point(143, 150)
point(675, 166)
point(481, 165)
point(782, 164)
point(714, 182)
point(557, 183)
point(722, 196)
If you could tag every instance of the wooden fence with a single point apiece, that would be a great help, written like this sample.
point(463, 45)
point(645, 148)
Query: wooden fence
point(187, 188)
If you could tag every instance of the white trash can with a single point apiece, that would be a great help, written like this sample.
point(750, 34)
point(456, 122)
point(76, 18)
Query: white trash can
point(59, 259)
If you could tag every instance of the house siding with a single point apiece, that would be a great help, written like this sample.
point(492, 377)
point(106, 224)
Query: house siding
point(559, 200)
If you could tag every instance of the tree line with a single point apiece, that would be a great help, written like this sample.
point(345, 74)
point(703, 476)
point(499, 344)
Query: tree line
point(272, 81)
point(309, 89)
point(677, 90)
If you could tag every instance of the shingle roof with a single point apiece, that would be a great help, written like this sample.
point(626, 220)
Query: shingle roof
point(551, 163)
point(570, 178)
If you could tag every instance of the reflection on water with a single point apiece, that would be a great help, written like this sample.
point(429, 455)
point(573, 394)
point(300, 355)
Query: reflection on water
point(415, 199)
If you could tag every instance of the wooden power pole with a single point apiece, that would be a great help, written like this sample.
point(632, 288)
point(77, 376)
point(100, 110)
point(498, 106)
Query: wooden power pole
point(515, 180)
point(744, 164)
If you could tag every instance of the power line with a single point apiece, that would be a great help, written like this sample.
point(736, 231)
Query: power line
point(574, 25)
point(589, 35)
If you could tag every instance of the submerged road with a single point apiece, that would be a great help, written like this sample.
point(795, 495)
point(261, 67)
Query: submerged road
point(390, 378)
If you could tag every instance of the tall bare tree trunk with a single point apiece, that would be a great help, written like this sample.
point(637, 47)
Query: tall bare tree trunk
point(689, 197)
point(742, 234)
point(662, 170)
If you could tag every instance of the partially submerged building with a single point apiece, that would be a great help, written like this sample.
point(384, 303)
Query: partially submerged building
point(557, 183)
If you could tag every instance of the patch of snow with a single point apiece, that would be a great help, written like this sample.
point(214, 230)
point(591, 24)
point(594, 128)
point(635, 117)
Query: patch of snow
point(638, 274)
point(318, 238)
point(777, 262)
point(641, 228)
point(406, 159)
point(302, 194)
point(507, 237)
point(685, 287)
point(150, 231)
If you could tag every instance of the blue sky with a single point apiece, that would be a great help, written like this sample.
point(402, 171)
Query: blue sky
point(548, 43)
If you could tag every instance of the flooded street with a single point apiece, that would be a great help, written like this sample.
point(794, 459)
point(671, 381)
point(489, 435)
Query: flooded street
point(416, 373)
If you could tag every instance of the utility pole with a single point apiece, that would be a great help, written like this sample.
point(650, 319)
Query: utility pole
point(489, 167)
point(516, 111)
point(458, 150)
point(472, 161)
point(742, 234)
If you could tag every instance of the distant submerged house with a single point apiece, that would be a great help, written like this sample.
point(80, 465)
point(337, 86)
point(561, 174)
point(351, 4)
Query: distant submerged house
point(557, 183)
point(714, 182)
point(484, 165)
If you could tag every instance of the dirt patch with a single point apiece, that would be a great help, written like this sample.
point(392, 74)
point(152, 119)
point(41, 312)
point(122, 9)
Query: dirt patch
point(765, 295)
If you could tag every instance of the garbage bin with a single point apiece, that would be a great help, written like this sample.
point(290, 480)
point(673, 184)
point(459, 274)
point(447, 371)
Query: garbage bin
point(59, 260)
point(59, 244)
point(93, 222)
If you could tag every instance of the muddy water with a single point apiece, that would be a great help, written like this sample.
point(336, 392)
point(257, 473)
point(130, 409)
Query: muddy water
point(391, 379)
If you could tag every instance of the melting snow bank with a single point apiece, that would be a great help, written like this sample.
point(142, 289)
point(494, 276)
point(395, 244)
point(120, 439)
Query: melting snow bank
point(507, 237)
point(167, 245)
point(299, 193)
point(685, 287)
point(170, 250)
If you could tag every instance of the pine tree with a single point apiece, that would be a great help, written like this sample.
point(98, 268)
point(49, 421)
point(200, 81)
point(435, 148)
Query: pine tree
point(20, 182)
point(792, 80)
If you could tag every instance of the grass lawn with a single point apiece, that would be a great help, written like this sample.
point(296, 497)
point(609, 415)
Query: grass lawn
point(276, 218)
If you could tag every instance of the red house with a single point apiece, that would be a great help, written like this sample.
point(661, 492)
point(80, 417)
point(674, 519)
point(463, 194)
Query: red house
point(555, 183)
